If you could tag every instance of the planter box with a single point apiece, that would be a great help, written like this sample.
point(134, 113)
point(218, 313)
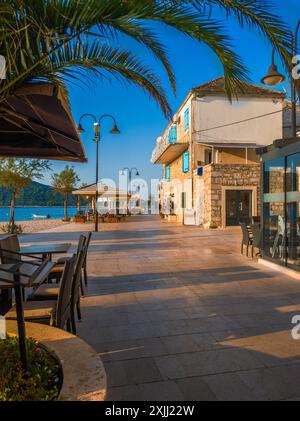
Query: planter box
point(79, 220)
point(112, 219)
point(84, 377)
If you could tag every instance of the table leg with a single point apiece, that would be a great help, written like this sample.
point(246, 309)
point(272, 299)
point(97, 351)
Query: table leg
point(21, 326)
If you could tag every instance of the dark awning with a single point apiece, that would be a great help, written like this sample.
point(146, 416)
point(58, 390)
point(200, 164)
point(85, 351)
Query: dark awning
point(36, 122)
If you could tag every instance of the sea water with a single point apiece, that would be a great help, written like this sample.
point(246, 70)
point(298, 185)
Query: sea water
point(26, 213)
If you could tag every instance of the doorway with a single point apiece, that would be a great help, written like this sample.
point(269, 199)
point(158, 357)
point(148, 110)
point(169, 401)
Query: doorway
point(238, 207)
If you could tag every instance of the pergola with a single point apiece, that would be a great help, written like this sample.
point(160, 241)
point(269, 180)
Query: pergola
point(104, 191)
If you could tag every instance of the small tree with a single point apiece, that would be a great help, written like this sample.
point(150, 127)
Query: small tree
point(65, 182)
point(16, 174)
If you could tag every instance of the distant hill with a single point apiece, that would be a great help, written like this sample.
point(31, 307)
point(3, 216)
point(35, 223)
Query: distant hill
point(37, 194)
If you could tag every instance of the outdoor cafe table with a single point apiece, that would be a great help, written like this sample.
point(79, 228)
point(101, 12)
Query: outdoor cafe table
point(19, 275)
point(45, 250)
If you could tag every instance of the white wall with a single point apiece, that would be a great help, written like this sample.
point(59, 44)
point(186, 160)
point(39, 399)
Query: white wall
point(215, 111)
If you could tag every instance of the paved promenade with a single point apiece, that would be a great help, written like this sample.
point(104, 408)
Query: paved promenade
point(176, 313)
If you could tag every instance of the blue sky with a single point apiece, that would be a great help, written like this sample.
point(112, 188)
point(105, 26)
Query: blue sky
point(138, 116)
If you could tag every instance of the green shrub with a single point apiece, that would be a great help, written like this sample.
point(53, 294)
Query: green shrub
point(43, 381)
point(12, 228)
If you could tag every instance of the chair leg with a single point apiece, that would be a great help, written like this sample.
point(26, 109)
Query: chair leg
point(85, 274)
point(252, 252)
point(81, 287)
point(78, 311)
point(69, 326)
point(73, 322)
point(242, 248)
point(247, 250)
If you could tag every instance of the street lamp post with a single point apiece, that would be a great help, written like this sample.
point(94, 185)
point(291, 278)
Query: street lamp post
point(273, 78)
point(97, 132)
point(130, 172)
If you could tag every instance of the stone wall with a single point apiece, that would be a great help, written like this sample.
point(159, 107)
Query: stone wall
point(230, 175)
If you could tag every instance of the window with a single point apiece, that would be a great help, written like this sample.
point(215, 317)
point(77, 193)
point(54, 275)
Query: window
point(274, 233)
point(186, 162)
point(168, 173)
point(208, 157)
point(186, 119)
point(173, 134)
point(183, 200)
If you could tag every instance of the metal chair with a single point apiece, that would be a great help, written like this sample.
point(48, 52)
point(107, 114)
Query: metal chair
point(280, 239)
point(256, 239)
point(76, 289)
point(50, 291)
point(10, 243)
point(87, 243)
point(55, 313)
point(246, 239)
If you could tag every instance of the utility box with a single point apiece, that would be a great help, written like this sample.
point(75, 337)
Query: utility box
point(189, 217)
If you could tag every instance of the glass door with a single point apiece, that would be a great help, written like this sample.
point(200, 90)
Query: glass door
point(238, 207)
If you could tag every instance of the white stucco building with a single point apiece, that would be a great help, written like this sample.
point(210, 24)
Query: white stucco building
point(208, 152)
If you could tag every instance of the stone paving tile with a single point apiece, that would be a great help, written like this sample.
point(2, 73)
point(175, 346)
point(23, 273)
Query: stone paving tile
point(130, 372)
point(125, 350)
point(277, 383)
point(170, 367)
point(196, 389)
point(124, 393)
point(161, 391)
point(189, 343)
point(206, 362)
point(230, 387)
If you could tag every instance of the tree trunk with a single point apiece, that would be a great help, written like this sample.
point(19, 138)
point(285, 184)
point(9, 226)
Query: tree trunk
point(66, 206)
point(12, 208)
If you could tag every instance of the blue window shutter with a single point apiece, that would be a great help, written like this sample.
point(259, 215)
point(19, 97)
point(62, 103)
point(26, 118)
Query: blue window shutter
point(173, 134)
point(187, 119)
point(186, 162)
point(168, 173)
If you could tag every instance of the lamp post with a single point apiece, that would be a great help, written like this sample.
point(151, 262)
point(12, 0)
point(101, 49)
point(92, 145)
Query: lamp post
point(130, 172)
point(97, 132)
point(273, 78)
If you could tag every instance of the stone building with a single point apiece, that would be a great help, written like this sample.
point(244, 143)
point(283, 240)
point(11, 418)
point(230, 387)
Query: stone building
point(211, 172)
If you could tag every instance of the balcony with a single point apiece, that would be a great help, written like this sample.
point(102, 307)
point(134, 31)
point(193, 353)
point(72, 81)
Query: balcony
point(170, 147)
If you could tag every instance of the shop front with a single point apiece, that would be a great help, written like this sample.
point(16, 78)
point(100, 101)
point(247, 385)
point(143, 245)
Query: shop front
point(281, 203)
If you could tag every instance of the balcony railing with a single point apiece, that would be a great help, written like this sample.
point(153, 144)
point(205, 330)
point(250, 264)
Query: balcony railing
point(172, 140)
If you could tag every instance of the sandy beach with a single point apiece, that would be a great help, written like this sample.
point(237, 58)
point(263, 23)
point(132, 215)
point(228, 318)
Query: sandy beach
point(38, 226)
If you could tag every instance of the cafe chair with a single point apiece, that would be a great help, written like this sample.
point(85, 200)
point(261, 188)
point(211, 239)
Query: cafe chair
point(76, 289)
point(256, 239)
point(57, 271)
point(54, 313)
point(246, 238)
point(84, 269)
point(50, 291)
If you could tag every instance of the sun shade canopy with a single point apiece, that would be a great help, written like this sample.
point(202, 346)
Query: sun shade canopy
point(36, 122)
point(103, 191)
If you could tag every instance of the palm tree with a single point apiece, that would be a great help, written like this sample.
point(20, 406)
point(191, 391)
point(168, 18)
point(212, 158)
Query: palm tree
point(65, 182)
point(62, 40)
